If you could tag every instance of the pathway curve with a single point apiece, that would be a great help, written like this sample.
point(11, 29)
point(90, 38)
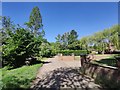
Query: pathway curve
point(62, 74)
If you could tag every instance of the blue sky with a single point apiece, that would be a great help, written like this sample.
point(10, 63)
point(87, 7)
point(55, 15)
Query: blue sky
point(84, 17)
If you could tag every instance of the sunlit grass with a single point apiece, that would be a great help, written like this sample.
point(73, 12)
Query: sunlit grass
point(107, 61)
point(19, 77)
point(77, 57)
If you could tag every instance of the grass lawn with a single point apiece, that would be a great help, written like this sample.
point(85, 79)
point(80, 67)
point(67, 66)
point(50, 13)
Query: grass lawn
point(19, 77)
point(111, 61)
point(107, 60)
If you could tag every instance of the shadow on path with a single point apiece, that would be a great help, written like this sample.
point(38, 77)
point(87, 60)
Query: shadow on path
point(65, 78)
point(43, 62)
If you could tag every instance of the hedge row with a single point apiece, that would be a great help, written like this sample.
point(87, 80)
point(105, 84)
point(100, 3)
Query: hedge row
point(76, 52)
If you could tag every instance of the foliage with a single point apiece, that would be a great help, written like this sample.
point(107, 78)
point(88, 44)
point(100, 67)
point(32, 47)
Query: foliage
point(100, 41)
point(54, 48)
point(19, 77)
point(19, 46)
point(45, 49)
point(72, 37)
point(35, 21)
point(7, 30)
point(48, 49)
point(67, 40)
point(19, 43)
point(75, 46)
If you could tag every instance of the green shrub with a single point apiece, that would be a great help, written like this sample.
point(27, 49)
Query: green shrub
point(19, 77)
point(76, 52)
point(20, 45)
point(46, 50)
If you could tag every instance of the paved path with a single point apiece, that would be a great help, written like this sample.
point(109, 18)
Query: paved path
point(62, 74)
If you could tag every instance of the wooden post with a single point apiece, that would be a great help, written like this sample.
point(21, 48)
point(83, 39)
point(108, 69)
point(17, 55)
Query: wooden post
point(61, 56)
point(83, 59)
point(73, 56)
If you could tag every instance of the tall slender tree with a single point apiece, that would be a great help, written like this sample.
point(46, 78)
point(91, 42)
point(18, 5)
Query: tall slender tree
point(35, 21)
point(72, 36)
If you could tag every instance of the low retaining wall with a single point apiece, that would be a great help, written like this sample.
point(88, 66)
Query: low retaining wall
point(105, 75)
point(66, 58)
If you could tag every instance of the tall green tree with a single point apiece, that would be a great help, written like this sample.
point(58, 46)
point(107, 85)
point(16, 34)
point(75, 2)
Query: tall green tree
point(18, 46)
point(101, 40)
point(68, 40)
point(58, 41)
point(72, 36)
point(19, 43)
point(35, 21)
point(64, 39)
point(58, 38)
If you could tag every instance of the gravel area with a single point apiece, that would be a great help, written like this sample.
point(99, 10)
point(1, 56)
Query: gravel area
point(60, 74)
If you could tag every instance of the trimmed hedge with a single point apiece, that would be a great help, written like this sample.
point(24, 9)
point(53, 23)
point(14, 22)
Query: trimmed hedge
point(76, 52)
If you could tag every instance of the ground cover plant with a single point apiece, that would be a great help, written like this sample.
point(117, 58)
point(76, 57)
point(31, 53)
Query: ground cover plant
point(19, 77)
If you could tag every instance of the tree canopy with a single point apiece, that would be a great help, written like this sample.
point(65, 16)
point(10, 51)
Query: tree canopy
point(66, 40)
point(99, 41)
point(35, 21)
point(20, 43)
